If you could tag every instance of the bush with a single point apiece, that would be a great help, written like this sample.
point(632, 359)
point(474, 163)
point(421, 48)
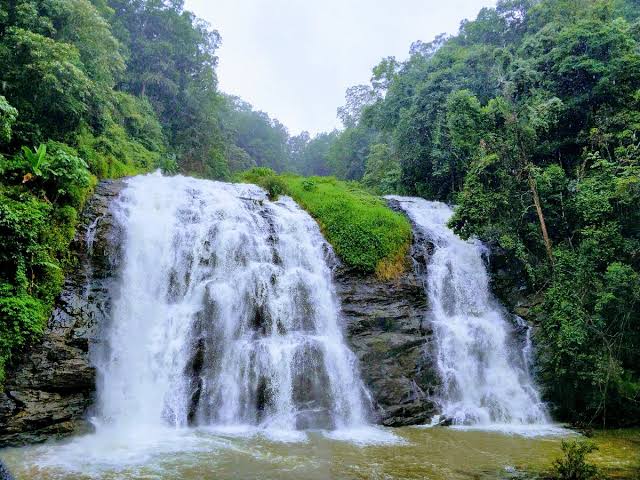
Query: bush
point(39, 198)
point(573, 465)
point(275, 187)
point(22, 318)
point(66, 176)
point(113, 154)
point(30, 273)
point(168, 164)
point(308, 185)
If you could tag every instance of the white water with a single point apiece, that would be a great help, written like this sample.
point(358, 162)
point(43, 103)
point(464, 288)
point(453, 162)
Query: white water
point(483, 366)
point(225, 315)
point(224, 332)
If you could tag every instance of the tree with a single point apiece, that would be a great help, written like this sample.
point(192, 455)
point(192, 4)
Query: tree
point(382, 173)
point(8, 116)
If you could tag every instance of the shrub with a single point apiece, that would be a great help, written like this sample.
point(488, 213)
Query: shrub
point(275, 187)
point(30, 276)
point(66, 175)
point(113, 154)
point(38, 213)
point(168, 164)
point(22, 317)
point(308, 185)
point(573, 465)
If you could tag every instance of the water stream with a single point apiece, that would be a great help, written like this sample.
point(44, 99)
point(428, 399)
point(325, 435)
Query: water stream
point(483, 364)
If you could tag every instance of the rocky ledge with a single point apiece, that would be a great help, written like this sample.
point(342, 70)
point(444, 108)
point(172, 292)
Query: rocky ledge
point(388, 329)
point(50, 387)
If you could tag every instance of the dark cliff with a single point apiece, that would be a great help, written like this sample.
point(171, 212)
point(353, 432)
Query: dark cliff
point(388, 329)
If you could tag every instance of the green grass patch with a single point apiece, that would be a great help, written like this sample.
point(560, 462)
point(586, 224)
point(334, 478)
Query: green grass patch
point(364, 232)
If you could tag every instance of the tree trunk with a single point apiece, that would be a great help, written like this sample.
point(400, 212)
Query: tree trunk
point(543, 225)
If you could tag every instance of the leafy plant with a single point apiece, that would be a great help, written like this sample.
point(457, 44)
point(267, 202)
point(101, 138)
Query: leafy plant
point(66, 175)
point(168, 164)
point(308, 185)
point(275, 187)
point(573, 465)
point(36, 161)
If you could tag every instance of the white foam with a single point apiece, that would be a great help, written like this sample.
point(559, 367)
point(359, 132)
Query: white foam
point(525, 430)
point(365, 436)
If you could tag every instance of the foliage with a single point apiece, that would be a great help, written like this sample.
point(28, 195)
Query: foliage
point(573, 465)
point(382, 172)
point(528, 121)
point(263, 140)
point(363, 231)
point(35, 160)
point(8, 116)
point(35, 237)
point(309, 156)
point(168, 165)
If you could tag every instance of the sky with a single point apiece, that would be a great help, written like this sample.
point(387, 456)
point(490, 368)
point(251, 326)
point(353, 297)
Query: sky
point(294, 59)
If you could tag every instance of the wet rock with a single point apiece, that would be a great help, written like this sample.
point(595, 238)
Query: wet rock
point(50, 386)
point(388, 329)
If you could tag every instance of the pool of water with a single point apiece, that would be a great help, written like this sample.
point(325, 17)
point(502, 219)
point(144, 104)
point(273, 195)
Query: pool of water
point(371, 453)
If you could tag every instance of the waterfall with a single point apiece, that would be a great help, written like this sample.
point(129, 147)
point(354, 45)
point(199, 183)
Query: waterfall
point(482, 364)
point(224, 314)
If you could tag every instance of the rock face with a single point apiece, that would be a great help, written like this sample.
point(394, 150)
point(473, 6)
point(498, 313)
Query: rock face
point(50, 386)
point(388, 329)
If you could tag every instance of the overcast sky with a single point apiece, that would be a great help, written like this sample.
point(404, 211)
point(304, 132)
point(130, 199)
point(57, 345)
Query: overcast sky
point(294, 59)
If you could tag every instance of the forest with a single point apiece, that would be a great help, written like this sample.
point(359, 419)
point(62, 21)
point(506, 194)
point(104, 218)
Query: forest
point(527, 120)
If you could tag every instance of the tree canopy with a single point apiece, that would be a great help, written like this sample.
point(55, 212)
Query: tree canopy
point(527, 120)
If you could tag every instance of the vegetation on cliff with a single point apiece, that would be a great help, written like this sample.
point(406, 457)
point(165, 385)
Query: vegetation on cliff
point(363, 231)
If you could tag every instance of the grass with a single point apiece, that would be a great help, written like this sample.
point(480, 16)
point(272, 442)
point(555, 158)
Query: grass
point(364, 232)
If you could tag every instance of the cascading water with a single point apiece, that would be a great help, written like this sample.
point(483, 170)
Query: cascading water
point(484, 369)
point(225, 314)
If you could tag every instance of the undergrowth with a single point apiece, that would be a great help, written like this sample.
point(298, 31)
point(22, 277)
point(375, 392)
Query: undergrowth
point(42, 191)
